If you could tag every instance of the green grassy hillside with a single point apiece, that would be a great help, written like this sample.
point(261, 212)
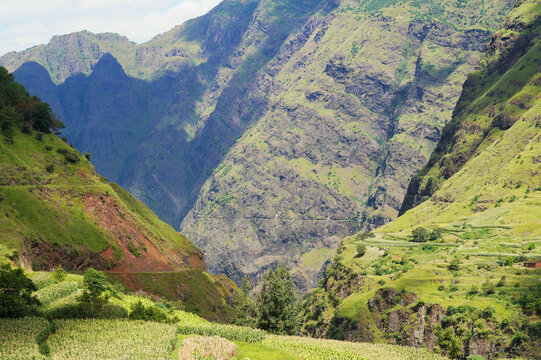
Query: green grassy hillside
point(56, 210)
point(448, 274)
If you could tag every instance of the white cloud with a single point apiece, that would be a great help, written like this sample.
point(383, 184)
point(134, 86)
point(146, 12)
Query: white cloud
point(25, 23)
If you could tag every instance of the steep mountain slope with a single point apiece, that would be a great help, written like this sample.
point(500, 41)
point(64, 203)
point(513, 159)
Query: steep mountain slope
point(357, 100)
point(459, 286)
point(55, 210)
point(343, 102)
point(162, 137)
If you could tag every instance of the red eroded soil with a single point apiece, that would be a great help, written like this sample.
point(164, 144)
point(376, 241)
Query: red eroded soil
point(197, 261)
point(124, 230)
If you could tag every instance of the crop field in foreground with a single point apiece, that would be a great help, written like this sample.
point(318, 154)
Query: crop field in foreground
point(320, 349)
point(112, 339)
point(139, 340)
point(18, 338)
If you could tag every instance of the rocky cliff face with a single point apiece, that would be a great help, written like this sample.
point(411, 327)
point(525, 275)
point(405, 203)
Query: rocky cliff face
point(271, 129)
point(356, 101)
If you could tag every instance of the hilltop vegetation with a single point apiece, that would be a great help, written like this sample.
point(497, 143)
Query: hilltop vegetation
point(448, 274)
point(56, 210)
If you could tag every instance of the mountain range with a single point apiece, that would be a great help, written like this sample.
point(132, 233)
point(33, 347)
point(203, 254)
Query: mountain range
point(267, 130)
point(388, 152)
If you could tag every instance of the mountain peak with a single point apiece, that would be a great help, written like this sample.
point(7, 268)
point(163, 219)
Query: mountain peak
point(85, 34)
point(110, 67)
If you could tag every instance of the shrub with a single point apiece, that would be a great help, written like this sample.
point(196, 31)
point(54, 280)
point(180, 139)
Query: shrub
point(16, 299)
point(463, 309)
point(488, 312)
point(448, 341)
point(454, 265)
point(518, 339)
point(138, 311)
point(473, 290)
point(59, 274)
point(419, 234)
point(453, 288)
point(134, 249)
point(88, 156)
point(70, 156)
point(361, 250)
point(452, 310)
point(530, 299)
point(49, 168)
point(435, 234)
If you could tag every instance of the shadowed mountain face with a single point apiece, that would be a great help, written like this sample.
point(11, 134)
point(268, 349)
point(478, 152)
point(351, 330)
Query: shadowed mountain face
point(268, 129)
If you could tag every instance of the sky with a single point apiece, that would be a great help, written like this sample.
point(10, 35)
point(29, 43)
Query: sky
point(25, 23)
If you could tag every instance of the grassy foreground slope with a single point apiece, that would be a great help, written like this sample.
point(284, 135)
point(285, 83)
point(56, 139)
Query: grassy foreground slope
point(56, 210)
point(118, 336)
point(460, 286)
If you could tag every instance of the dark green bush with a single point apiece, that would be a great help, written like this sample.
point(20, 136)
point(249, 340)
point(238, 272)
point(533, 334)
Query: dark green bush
point(488, 312)
point(138, 311)
point(70, 156)
point(454, 265)
point(436, 234)
point(419, 234)
point(16, 299)
point(361, 250)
